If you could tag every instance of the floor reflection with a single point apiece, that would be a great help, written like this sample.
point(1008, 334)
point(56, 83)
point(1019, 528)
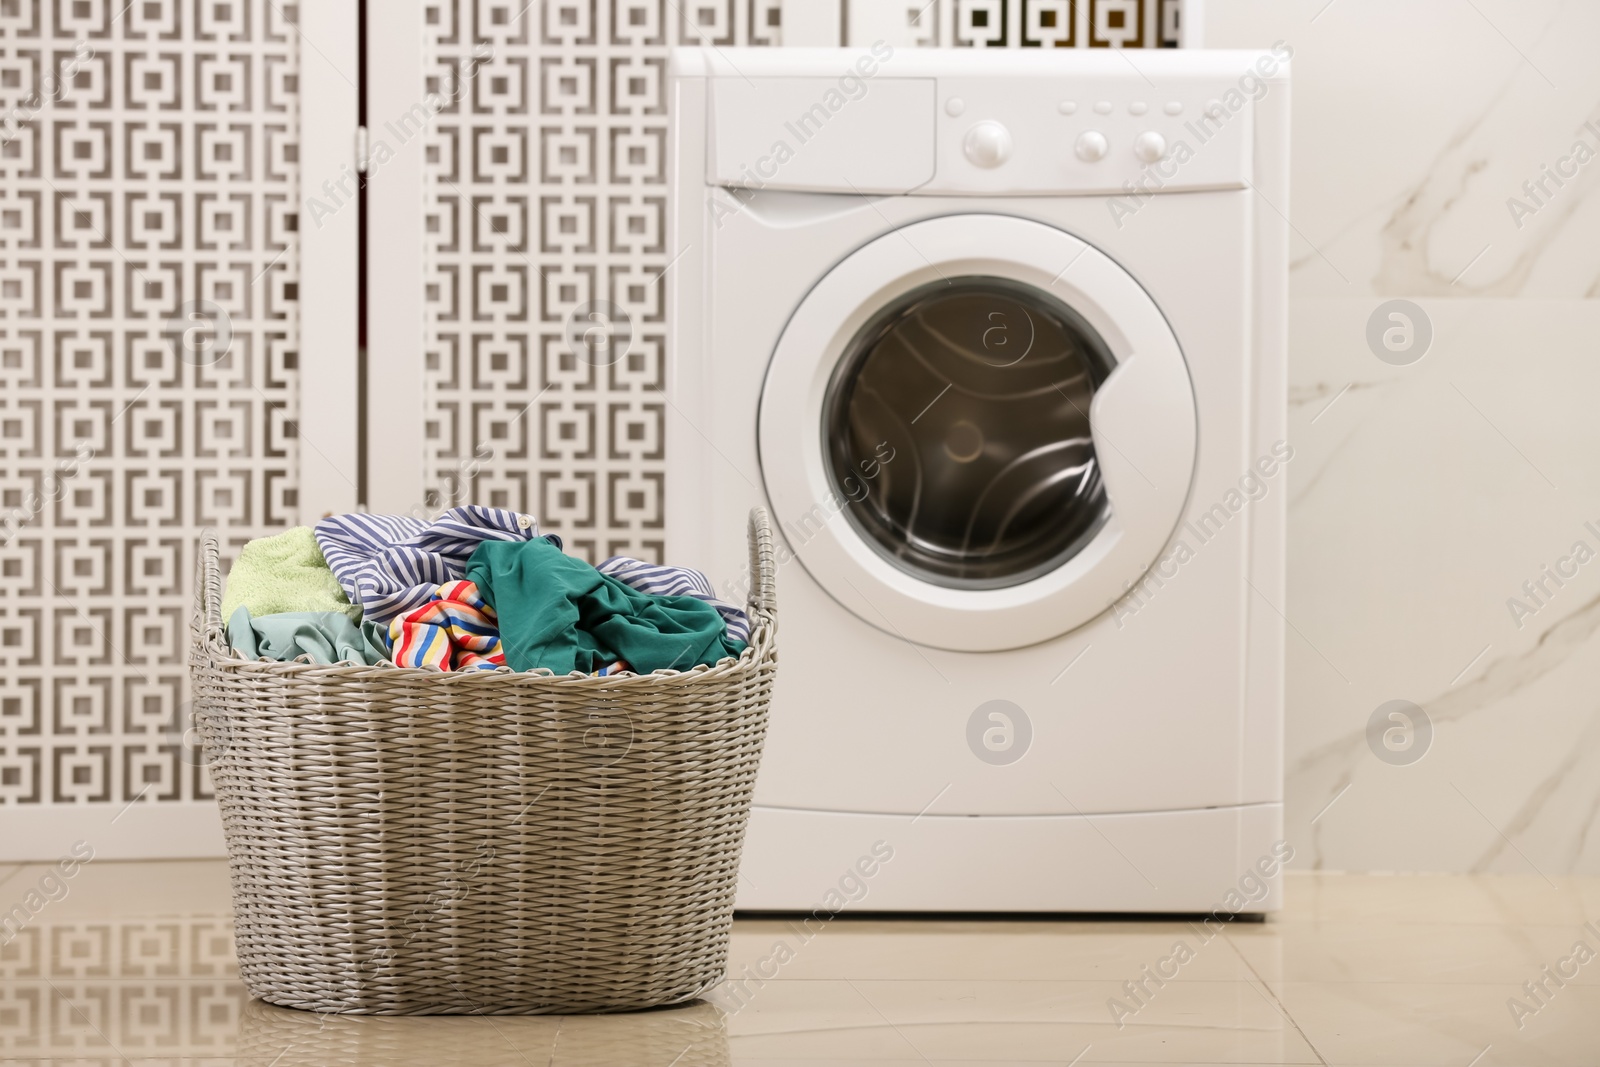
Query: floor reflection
point(166, 990)
point(138, 968)
point(690, 1036)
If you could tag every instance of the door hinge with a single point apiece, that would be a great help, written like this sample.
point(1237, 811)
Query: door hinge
point(362, 149)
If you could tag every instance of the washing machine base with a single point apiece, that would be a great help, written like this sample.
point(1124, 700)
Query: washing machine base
point(1226, 860)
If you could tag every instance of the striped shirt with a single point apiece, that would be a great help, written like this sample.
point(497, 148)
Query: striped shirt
point(390, 564)
point(660, 580)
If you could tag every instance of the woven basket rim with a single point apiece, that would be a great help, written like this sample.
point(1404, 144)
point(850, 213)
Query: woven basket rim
point(211, 640)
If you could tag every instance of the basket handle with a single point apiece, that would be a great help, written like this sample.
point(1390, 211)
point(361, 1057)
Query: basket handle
point(208, 590)
point(763, 566)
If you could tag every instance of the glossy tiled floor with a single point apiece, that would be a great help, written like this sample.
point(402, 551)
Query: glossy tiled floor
point(135, 965)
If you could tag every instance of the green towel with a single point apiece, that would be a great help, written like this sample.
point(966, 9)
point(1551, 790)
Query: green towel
point(328, 637)
point(284, 573)
point(559, 612)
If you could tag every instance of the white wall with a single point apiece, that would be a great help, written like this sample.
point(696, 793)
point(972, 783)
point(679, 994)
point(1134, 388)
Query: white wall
point(1426, 494)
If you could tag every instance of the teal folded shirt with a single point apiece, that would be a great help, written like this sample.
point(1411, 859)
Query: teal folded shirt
point(559, 612)
point(328, 637)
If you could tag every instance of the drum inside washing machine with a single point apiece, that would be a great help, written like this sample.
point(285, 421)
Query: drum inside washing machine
point(977, 390)
point(936, 432)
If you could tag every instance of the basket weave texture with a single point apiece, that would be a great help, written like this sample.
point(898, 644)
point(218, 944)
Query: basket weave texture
point(406, 841)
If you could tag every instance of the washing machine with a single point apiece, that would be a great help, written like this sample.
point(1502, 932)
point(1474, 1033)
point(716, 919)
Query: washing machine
point(998, 336)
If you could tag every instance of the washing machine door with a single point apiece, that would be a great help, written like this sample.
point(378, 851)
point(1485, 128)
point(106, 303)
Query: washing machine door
point(977, 432)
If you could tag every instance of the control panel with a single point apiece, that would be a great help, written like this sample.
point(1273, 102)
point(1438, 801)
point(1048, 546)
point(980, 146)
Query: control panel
point(1028, 125)
point(1056, 135)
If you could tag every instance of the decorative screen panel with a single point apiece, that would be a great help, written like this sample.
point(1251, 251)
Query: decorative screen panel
point(546, 202)
point(148, 374)
point(1016, 23)
point(545, 192)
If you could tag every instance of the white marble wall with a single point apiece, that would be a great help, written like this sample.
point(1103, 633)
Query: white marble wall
point(1423, 496)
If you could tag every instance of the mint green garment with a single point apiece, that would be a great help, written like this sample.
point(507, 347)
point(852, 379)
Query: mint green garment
point(284, 573)
point(328, 637)
point(559, 612)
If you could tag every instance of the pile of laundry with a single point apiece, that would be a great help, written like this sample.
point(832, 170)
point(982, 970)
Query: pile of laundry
point(474, 589)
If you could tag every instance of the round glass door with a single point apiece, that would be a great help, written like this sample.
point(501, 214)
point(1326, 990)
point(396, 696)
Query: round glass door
point(957, 432)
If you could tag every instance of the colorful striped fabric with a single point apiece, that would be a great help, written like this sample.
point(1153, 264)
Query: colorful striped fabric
point(676, 581)
point(456, 631)
point(391, 564)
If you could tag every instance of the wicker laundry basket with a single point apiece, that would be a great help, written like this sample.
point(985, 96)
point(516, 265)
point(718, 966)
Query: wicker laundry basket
point(404, 841)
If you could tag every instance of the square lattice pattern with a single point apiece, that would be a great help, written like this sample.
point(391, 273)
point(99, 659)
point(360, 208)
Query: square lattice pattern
point(1030, 23)
point(148, 163)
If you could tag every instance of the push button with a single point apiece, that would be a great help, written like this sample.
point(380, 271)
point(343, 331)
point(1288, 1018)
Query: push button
point(1149, 146)
point(1091, 146)
point(988, 144)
